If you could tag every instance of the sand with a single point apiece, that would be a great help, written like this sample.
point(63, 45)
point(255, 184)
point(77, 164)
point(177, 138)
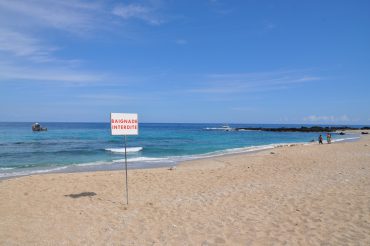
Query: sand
point(297, 195)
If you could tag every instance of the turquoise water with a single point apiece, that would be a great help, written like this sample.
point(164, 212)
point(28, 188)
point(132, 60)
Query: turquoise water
point(90, 146)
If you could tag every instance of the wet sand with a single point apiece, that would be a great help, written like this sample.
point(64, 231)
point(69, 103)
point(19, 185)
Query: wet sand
point(298, 195)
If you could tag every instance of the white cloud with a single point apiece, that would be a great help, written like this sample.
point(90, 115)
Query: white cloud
point(104, 99)
point(131, 10)
point(326, 119)
point(16, 72)
point(308, 78)
point(243, 109)
point(72, 16)
point(284, 119)
point(23, 45)
point(252, 82)
point(137, 11)
point(75, 16)
point(181, 41)
point(27, 54)
point(270, 26)
point(220, 7)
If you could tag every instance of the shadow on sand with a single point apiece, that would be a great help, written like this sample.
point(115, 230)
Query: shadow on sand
point(82, 194)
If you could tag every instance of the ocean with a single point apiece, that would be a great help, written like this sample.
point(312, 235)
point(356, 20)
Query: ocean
point(73, 147)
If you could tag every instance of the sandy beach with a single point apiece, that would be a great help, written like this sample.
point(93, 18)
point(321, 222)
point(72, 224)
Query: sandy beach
point(294, 195)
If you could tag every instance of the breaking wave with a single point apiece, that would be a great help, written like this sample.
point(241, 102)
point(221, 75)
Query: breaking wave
point(122, 150)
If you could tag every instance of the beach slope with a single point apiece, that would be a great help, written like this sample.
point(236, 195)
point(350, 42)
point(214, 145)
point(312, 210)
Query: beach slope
point(297, 195)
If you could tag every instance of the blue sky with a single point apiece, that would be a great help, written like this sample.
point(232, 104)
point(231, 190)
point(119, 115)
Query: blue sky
point(186, 61)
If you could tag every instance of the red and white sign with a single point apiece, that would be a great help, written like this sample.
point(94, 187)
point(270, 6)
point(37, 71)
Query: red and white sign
point(124, 124)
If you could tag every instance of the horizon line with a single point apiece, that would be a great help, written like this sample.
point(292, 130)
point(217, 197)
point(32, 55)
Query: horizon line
point(107, 122)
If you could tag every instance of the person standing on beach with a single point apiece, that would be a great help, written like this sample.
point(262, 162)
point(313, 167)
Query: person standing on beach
point(328, 138)
point(320, 139)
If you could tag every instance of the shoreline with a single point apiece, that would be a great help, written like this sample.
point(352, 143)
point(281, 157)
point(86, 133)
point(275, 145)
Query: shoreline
point(314, 194)
point(117, 166)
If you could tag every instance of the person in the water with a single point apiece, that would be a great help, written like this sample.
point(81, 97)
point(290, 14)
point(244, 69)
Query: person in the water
point(328, 138)
point(320, 139)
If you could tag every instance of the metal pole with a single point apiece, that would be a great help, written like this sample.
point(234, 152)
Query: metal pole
point(126, 171)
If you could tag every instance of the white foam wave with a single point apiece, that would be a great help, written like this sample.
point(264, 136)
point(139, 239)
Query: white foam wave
point(6, 168)
point(122, 150)
point(344, 139)
point(175, 159)
point(218, 129)
point(171, 159)
point(145, 159)
point(29, 172)
point(241, 150)
point(95, 163)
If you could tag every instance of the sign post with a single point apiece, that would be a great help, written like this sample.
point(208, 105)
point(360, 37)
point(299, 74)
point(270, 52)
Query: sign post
point(124, 124)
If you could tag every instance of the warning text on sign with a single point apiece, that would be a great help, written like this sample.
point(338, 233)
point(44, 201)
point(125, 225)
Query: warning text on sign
point(124, 124)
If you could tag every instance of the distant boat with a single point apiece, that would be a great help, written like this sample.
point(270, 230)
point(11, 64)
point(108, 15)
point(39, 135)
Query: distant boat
point(37, 128)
